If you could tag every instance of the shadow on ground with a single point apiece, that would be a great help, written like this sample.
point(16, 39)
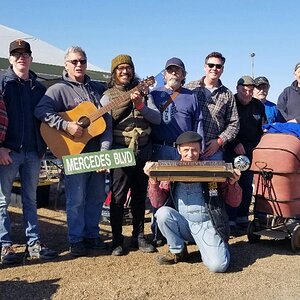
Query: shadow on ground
point(23, 290)
point(244, 254)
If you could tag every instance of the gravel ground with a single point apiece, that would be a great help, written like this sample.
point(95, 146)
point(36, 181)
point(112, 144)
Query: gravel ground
point(266, 270)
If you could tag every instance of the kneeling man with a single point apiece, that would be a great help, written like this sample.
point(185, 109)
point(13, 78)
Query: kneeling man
point(194, 211)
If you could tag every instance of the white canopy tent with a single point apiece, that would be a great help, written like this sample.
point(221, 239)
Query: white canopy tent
point(48, 61)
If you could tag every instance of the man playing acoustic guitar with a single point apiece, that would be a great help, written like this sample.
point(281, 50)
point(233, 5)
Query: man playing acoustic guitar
point(85, 192)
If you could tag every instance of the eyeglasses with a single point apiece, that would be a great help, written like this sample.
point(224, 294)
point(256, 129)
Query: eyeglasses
point(122, 69)
point(76, 61)
point(19, 54)
point(218, 66)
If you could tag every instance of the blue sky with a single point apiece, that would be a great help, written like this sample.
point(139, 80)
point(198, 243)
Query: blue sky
point(153, 31)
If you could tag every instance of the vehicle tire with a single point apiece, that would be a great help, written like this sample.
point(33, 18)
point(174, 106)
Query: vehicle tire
point(295, 240)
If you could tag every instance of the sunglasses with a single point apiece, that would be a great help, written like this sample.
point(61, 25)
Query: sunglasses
point(218, 66)
point(173, 69)
point(76, 61)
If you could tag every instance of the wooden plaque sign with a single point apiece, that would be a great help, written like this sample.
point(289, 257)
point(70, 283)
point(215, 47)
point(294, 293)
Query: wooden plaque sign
point(200, 171)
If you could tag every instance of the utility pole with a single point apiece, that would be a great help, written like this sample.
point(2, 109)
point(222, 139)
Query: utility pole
point(252, 55)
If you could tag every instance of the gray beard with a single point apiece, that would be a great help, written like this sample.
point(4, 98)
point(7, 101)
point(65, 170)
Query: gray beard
point(173, 83)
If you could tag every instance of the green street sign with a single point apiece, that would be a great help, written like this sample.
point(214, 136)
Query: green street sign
point(93, 161)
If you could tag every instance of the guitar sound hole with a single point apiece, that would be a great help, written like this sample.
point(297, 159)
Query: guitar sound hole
point(84, 122)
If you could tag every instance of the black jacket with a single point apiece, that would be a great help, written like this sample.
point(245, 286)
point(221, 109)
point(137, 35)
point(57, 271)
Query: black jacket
point(252, 116)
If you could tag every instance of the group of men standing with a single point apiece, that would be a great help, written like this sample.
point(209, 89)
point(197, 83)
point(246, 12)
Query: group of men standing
point(202, 118)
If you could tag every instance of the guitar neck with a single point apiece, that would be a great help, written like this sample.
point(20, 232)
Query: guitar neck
point(112, 104)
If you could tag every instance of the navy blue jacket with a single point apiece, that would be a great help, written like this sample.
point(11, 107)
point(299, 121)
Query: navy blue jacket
point(289, 102)
point(15, 92)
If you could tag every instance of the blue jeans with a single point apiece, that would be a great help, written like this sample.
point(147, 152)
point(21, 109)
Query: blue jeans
point(164, 152)
point(85, 194)
point(192, 223)
point(217, 156)
point(28, 165)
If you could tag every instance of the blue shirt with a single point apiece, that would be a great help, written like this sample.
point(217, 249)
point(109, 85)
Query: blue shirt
point(182, 114)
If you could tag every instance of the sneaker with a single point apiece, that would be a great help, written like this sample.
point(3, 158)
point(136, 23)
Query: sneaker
point(39, 250)
point(95, 243)
point(143, 245)
point(117, 251)
point(78, 249)
point(146, 246)
point(8, 256)
point(171, 258)
point(159, 242)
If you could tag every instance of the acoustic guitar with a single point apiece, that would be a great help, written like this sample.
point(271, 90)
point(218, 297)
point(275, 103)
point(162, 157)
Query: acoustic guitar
point(89, 117)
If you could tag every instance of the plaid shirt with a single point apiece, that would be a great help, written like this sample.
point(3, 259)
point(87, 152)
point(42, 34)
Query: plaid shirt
point(3, 120)
point(220, 115)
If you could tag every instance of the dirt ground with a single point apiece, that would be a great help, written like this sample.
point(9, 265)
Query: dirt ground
point(266, 270)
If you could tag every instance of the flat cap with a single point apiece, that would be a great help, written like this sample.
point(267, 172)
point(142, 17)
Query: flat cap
point(188, 137)
point(246, 80)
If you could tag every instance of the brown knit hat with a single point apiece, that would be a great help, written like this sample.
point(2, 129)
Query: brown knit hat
point(121, 59)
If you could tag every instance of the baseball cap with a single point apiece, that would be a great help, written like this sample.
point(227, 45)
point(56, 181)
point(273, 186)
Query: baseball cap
point(19, 44)
point(261, 80)
point(246, 80)
point(174, 61)
point(297, 66)
point(188, 137)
